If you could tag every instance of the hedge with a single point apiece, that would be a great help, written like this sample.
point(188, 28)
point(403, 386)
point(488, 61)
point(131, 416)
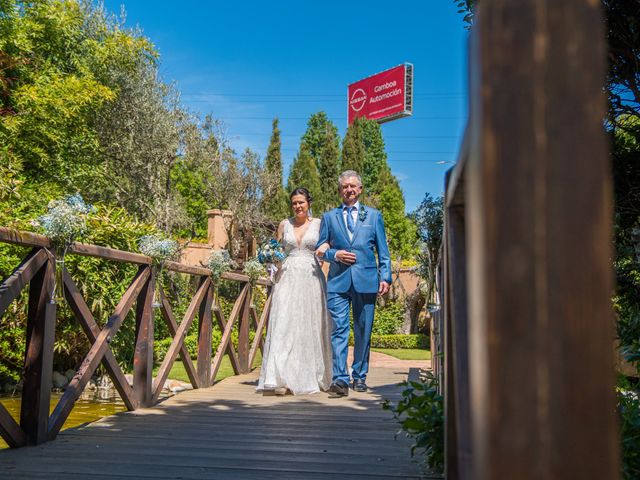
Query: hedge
point(397, 341)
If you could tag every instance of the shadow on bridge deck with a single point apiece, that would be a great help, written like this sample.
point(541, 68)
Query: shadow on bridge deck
point(229, 431)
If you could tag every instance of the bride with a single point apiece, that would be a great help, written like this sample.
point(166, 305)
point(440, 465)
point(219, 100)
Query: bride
point(297, 350)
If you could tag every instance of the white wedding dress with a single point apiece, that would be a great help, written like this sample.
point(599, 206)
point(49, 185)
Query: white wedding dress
point(297, 349)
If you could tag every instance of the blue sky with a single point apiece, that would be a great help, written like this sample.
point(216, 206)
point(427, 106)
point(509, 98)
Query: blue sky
point(246, 62)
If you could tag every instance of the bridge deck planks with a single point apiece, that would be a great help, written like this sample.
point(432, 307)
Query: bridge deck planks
point(231, 432)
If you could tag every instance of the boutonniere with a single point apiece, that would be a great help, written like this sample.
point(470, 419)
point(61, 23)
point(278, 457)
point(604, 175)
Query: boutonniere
point(363, 213)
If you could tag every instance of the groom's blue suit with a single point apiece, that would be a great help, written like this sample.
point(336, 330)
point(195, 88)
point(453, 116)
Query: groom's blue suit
point(355, 284)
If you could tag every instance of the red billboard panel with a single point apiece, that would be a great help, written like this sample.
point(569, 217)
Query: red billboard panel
point(383, 96)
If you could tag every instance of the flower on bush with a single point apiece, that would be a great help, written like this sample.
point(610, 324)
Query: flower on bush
point(158, 247)
point(220, 262)
point(65, 219)
point(253, 269)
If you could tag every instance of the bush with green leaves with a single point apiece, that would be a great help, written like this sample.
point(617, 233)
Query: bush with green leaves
point(389, 318)
point(420, 412)
point(400, 340)
point(628, 396)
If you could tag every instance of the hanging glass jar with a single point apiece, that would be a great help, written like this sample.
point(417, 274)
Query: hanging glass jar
point(157, 275)
point(57, 295)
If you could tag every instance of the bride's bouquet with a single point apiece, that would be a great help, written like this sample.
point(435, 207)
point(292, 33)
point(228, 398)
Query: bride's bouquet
point(269, 253)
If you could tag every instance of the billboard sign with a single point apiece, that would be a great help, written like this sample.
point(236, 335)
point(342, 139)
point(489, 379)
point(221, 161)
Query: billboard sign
point(382, 97)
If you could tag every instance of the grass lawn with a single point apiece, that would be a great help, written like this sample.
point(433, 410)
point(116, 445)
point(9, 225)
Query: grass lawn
point(179, 373)
point(405, 353)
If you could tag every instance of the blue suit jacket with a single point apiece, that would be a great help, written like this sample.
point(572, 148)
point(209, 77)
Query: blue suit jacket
point(368, 239)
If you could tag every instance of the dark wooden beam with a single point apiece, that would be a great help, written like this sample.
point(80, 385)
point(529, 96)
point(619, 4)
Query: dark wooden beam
point(26, 239)
point(178, 339)
point(260, 327)
point(20, 277)
point(38, 363)
point(226, 333)
point(243, 333)
point(97, 351)
point(539, 214)
point(91, 329)
point(143, 353)
point(10, 431)
point(222, 324)
point(204, 337)
point(167, 313)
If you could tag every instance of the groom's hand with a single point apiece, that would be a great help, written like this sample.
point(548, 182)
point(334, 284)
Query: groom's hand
point(384, 288)
point(346, 257)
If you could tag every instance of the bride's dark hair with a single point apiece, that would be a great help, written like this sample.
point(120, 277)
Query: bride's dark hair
point(302, 191)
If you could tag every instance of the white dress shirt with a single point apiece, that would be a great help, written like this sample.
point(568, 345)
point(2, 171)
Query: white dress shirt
point(354, 216)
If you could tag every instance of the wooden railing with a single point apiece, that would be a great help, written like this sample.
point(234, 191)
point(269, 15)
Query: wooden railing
point(37, 271)
point(526, 278)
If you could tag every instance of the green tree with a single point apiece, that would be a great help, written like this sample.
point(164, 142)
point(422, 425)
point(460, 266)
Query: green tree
point(276, 204)
point(401, 231)
point(329, 169)
point(304, 173)
point(353, 148)
point(318, 126)
point(429, 220)
point(375, 159)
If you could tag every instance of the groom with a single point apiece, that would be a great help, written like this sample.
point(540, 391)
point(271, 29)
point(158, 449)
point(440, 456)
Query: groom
point(355, 234)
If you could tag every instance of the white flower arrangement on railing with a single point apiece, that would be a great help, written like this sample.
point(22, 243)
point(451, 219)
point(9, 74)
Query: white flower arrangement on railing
point(219, 263)
point(64, 222)
point(253, 269)
point(160, 249)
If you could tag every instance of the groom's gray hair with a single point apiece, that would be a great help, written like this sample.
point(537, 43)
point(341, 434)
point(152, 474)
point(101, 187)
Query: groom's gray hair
point(349, 174)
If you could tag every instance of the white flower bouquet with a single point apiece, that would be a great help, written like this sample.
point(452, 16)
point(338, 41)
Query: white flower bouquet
point(65, 220)
point(160, 249)
point(253, 269)
point(157, 247)
point(220, 262)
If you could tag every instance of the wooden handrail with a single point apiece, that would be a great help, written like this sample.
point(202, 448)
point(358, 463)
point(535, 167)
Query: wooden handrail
point(30, 239)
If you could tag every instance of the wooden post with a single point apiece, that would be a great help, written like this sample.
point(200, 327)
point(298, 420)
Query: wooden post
point(539, 218)
point(38, 362)
point(143, 355)
point(449, 386)
point(243, 333)
point(204, 337)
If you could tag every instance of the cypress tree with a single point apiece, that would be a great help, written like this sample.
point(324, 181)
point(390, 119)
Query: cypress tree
point(275, 202)
point(318, 126)
point(304, 173)
point(375, 156)
point(329, 170)
point(353, 150)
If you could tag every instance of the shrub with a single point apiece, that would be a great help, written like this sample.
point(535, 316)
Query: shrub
point(388, 319)
point(397, 341)
point(421, 415)
point(629, 411)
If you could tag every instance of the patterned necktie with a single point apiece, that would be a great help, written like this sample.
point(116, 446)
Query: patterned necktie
point(350, 223)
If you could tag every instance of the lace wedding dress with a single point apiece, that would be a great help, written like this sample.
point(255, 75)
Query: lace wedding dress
point(297, 350)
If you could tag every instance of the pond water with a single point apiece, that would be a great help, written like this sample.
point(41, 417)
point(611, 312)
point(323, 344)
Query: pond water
point(91, 406)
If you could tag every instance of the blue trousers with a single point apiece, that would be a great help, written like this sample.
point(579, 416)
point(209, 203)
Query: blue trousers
point(339, 305)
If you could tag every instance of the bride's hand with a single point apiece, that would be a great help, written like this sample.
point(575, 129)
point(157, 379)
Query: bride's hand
point(320, 251)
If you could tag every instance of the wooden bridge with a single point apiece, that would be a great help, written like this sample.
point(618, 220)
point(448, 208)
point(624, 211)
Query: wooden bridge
point(222, 431)
point(229, 431)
